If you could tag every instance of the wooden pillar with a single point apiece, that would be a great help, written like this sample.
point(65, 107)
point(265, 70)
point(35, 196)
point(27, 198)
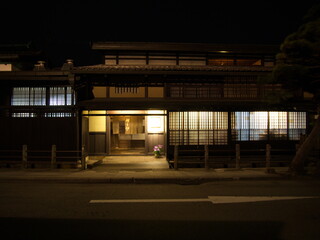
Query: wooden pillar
point(206, 156)
point(175, 156)
point(83, 158)
point(268, 156)
point(53, 156)
point(24, 156)
point(237, 156)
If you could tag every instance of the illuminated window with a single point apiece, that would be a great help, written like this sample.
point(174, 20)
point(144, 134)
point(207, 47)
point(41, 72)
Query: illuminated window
point(60, 96)
point(250, 126)
point(241, 123)
point(254, 126)
point(37, 96)
point(198, 128)
point(28, 96)
point(21, 115)
point(59, 114)
point(258, 125)
point(297, 125)
point(278, 125)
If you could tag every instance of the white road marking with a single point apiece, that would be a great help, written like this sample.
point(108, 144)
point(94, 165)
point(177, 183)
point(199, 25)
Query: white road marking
point(212, 199)
point(151, 200)
point(243, 199)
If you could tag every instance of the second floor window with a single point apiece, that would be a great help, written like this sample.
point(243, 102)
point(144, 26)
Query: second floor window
point(28, 96)
point(42, 96)
point(60, 96)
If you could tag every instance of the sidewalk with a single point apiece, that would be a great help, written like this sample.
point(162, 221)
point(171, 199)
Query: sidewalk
point(148, 176)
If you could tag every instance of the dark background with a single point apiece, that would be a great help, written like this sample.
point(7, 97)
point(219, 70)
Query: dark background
point(65, 29)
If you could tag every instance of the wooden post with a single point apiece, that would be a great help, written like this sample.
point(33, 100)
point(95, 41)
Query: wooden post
point(237, 156)
point(206, 156)
point(83, 158)
point(268, 156)
point(24, 156)
point(53, 156)
point(268, 159)
point(175, 157)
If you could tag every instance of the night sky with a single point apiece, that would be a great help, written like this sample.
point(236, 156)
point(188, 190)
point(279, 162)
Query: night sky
point(65, 29)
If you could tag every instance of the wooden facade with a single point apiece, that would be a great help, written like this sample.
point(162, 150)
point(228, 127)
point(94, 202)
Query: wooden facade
point(146, 94)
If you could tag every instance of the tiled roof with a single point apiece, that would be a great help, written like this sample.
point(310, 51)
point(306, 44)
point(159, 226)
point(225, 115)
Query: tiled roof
point(189, 47)
point(165, 68)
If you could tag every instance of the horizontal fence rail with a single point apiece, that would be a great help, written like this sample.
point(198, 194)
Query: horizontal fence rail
point(53, 158)
point(237, 157)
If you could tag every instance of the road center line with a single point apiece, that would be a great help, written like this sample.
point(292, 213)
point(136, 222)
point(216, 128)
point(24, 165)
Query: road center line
point(212, 199)
point(151, 200)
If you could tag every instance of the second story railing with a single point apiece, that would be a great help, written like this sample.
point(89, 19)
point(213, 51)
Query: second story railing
point(224, 91)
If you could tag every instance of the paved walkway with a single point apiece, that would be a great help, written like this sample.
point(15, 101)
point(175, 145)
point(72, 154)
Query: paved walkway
point(138, 169)
point(133, 163)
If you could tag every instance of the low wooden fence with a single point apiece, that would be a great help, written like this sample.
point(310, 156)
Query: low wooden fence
point(237, 157)
point(53, 158)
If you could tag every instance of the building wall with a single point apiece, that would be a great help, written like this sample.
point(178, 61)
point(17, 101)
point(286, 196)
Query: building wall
point(39, 133)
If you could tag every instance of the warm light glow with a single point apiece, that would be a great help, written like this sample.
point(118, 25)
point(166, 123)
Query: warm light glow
point(155, 112)
point(132, 112)
point(126, 112)
point(97, 123)
point(155, 124)
point(127, 124)
point(5, 67)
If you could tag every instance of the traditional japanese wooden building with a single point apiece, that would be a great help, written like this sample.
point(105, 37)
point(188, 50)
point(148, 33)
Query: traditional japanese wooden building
point(147, 94)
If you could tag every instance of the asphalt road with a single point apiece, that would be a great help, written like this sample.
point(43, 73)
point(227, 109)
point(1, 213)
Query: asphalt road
point(66, 211)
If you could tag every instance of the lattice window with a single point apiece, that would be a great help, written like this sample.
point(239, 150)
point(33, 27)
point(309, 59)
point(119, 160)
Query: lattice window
point(278, 125)
point(21, 115)
point(297, 125)
point(60, 96)
point(60, 114)
point(41, 96)
point(249, 126)
point(258, 126)
point(254, 126)
point(121, 90)
point(240, 91)
point(176, 92)
point(28, 96)
point(198, 128)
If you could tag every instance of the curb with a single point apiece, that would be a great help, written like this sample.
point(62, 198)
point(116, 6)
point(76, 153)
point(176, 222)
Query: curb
point(141, 180)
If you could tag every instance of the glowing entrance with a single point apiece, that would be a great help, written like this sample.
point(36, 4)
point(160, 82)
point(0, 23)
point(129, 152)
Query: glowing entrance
point(127, 135)
point(120, 132)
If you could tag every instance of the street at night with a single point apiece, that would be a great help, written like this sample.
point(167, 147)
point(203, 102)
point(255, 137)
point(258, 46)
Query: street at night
point(160, 120)
point(161, 211)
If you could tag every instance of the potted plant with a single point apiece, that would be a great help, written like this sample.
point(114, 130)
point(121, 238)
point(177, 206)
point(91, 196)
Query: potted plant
point(157, 150)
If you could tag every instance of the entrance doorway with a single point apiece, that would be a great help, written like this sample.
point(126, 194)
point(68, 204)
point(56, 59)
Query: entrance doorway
point(127, 135)
point(123, 132)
